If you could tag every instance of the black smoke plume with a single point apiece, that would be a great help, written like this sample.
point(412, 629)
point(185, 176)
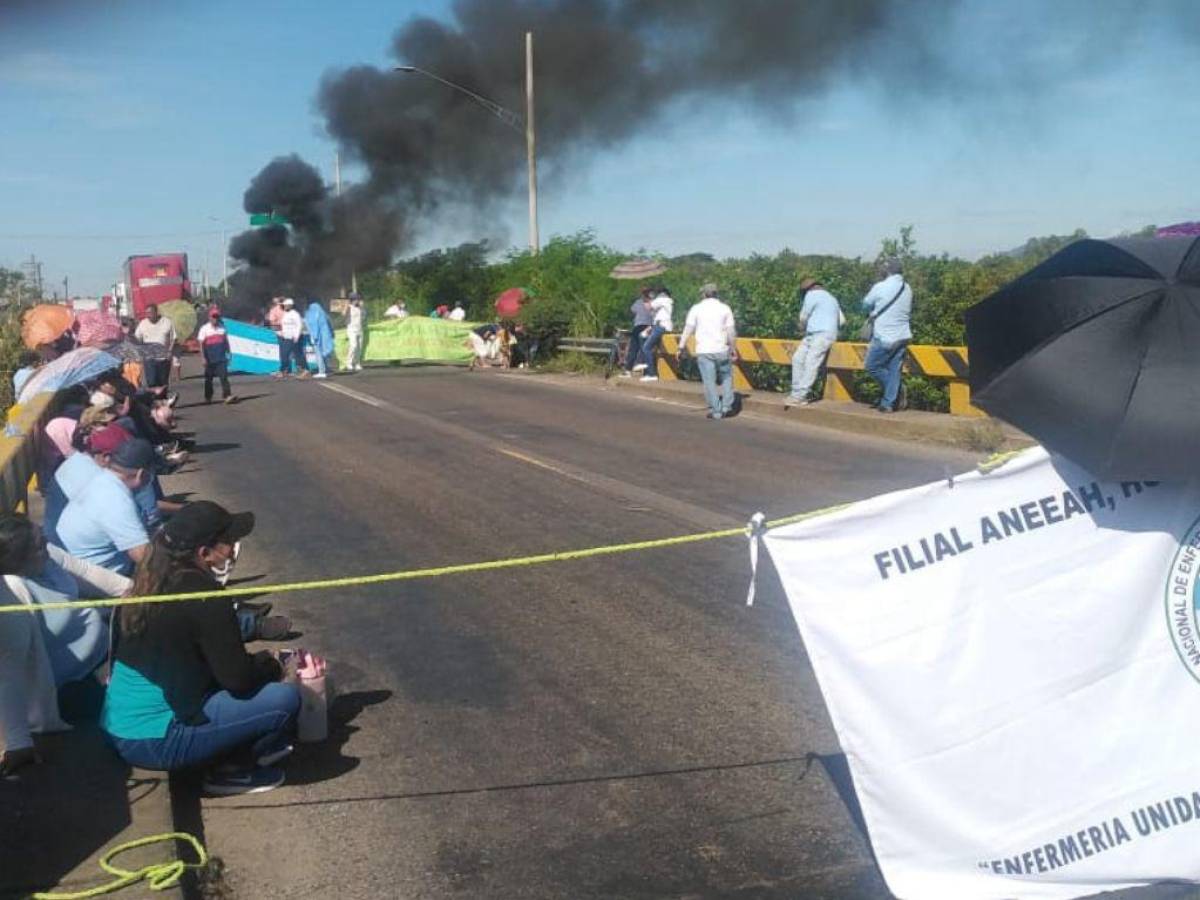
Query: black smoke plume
point(607, 70)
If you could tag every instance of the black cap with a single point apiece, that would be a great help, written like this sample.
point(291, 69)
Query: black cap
point(204, 523)
point(134, 454)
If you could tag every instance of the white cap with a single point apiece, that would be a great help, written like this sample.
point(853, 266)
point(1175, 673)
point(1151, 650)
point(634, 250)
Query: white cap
point(288, 301)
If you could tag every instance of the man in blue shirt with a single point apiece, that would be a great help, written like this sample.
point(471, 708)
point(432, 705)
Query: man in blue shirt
point(102, 523)
point(889, 304)
point(820, 317)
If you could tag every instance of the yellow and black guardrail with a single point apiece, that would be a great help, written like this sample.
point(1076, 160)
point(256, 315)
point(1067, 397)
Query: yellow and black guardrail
point(19, 452)
point(845, 358)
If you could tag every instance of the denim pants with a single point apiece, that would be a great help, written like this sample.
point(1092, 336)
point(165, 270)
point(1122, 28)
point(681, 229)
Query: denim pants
point(807, 362)
point(287, 350)
point(633, 355)
point(883, 364)
point(716, 370)
point(653, 339)
point(263, 722)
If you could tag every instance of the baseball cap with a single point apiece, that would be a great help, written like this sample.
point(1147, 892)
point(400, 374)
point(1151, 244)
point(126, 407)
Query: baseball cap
point(134, 453)
point(204, 523)
point(109, 439)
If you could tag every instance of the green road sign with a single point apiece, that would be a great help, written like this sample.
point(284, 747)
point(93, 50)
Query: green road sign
point(259, 220)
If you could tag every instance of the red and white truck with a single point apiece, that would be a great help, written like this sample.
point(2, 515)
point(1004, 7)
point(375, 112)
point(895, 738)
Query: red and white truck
point(153, 279)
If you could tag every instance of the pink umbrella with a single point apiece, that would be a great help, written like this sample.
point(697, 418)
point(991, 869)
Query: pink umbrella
point(508, 304)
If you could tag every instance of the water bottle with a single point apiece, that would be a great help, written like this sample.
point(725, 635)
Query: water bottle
point(313, 722)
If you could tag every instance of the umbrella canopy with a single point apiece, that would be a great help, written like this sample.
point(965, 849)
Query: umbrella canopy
point(45, 323)
point(1185, 229)
point(182, 315)
point(129, 351)
point(1094, 354)
point(98, 327)
point(508, 303)
point(637, 269)
point(70, 369)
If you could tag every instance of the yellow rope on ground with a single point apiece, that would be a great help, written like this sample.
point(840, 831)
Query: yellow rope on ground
point(158, 876)
point(411, 574)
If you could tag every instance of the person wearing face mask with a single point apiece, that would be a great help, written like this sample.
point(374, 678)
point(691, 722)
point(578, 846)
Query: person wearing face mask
point(184, 692)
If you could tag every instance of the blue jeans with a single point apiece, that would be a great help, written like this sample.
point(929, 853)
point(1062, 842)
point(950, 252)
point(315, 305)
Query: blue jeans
point(634, 352)
point(263, 722)
point(883, 364)
point(653, 339)
point(717, 370)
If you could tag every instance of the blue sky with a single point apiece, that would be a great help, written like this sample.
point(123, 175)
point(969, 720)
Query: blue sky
point(135, 127)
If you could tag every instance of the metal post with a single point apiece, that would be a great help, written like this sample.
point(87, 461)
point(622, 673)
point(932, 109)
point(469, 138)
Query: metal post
point(530, 144)
point(224, 263)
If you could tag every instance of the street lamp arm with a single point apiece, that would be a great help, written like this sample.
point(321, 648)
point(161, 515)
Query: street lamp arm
point(507, 116)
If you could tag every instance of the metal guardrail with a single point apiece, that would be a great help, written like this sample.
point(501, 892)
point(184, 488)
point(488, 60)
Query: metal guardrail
point(19, 452)
point(845, 358)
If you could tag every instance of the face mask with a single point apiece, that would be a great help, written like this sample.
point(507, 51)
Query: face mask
point(225, 569)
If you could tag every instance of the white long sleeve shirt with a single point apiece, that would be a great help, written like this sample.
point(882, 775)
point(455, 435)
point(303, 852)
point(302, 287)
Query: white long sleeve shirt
point(292, 326)
point(712, 323)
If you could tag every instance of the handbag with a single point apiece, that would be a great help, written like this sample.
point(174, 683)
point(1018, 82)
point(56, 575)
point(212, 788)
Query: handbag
point(867, 332)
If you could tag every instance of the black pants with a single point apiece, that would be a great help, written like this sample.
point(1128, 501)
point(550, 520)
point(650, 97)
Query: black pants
point(156, 372)
point(218, 370)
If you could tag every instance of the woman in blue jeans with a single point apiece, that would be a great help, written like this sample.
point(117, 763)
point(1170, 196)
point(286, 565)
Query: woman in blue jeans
point(184, 692)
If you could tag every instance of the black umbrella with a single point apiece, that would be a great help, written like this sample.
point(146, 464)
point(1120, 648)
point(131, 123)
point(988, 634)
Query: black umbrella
point(1096, 353)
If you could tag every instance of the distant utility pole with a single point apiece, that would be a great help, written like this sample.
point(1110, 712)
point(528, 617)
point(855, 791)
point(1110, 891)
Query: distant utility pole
point(66, 290)
point(33, 276)
point(337, 185)
point(530, 142)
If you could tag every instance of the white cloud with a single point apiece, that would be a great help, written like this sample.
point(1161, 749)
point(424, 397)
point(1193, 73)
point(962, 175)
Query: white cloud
point(53, 72)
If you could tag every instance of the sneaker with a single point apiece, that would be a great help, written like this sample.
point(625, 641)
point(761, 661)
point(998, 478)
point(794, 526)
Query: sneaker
point(176, 457)
point(273, 756)
point(273, 628)
point(251, 781)
point(649, 378)
point(712, 415)
point(231, 399)
point(320, 375)
point(640, 367)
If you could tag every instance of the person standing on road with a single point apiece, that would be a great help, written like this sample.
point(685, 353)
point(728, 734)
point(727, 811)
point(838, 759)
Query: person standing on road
point(355, 333)
point(214, 344)
point(711, 321)
point(291, 327)
point(661, 308)
point(320, 334)
point(889, 308)
point(156, 329)
point(820, 318)
point(643, 321)
point(184, 692)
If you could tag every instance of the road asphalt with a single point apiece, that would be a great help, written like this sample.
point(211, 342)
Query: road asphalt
point(619, 727)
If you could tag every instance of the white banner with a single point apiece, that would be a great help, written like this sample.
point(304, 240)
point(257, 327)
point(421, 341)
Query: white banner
point(1011, 664)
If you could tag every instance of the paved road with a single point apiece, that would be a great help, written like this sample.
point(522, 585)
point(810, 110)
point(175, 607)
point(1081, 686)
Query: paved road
point(621, 727)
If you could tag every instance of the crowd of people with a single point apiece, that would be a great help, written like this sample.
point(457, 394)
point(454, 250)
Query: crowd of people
point(888, 332)
point(181, 690)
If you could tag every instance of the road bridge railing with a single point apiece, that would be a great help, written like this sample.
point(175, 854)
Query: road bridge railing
point(845, 359)
point(20, 449)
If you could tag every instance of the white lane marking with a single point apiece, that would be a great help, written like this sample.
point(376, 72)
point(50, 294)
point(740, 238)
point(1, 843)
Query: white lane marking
point(355, 395)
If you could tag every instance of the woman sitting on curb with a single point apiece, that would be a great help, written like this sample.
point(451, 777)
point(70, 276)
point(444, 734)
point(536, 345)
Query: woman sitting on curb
point(184, 692)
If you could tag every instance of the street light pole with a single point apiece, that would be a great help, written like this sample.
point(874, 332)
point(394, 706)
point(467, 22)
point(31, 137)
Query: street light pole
point(512, 120)
point(530, 143)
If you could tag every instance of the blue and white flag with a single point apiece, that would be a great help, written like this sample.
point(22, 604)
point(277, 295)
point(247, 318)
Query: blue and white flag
point(254, 350)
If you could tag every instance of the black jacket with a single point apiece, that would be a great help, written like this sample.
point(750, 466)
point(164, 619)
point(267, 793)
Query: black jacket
point(193, 648)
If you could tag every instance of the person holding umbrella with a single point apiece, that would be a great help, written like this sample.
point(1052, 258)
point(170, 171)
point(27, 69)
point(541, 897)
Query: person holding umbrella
point(889, 308)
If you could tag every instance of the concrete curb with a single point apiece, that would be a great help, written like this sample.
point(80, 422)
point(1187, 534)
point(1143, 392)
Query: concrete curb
point(975, 434)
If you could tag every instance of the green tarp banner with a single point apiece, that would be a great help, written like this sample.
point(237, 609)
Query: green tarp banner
point(416, 339)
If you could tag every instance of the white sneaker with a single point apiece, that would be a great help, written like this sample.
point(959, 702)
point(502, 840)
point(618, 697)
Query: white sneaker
point(320, 375)
point(649, 378)
point(640, 367)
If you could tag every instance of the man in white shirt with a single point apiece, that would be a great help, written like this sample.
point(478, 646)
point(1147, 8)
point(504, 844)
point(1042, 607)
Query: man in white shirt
point(156, 329)
point(355, 329)
point(458, 314)
point(820, 318)
point(711, 321)
point(291, 326)
point(889, 305)
point(398, 310)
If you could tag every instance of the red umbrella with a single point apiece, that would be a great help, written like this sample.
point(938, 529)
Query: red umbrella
point(508, 304)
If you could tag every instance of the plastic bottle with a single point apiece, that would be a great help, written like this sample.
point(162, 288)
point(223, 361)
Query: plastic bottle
point(313, 722)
